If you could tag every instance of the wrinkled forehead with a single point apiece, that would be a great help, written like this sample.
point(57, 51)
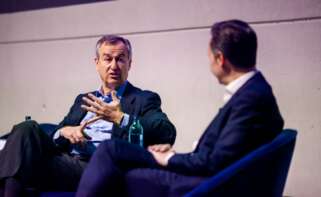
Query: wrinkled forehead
point(115, 49)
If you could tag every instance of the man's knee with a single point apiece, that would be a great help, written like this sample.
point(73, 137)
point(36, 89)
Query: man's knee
point(110, 147)
point(27, 124)
point(106, 146)
point(26, 128)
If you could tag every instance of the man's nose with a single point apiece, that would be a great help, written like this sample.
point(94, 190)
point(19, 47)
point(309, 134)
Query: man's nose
point(114, 64)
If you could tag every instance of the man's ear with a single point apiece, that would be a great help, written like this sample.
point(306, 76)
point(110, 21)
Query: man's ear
point(96, 62)
point(219, 58)
point(129, 64)
point(210, 54)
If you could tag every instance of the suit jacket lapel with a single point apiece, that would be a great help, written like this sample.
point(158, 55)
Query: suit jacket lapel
point(128, 99)
point(212, 127)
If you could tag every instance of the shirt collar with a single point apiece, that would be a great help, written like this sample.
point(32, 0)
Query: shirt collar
point(119, 91)
point(235, 85)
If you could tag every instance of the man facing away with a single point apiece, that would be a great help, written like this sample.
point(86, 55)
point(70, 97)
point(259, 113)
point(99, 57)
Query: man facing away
point(249, 118)
point(30, 158)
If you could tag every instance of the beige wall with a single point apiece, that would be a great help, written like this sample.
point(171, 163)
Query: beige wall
point(46, 59)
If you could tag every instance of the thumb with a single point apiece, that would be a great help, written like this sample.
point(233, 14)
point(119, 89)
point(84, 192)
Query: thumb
point(82, 126)
point(95, 118)
point(114, 96)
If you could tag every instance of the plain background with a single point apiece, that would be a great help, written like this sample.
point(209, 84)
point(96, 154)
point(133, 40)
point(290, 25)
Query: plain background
point(47, 58)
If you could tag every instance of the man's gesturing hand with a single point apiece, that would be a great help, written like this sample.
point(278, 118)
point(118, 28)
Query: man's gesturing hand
point(75, 134)
point(108, 111)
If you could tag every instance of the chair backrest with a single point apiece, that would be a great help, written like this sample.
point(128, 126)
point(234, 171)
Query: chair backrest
point(262, 172)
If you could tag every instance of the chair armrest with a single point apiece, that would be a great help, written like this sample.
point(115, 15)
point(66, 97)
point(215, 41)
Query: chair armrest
point(250, 165)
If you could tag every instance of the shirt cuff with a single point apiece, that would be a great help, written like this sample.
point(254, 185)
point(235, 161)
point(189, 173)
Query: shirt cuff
point(124, 121)
point(56, 135)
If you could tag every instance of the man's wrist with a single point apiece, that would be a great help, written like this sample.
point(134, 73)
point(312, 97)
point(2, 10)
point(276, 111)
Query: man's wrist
point(119, 118)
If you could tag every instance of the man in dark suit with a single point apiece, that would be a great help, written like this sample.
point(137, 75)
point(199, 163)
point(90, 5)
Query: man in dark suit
point(30, 158)
point(249, 118)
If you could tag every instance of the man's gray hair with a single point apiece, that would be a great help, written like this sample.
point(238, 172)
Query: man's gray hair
point(114, 39)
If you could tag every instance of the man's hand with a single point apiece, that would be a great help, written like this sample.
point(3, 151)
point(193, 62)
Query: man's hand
point(108, 111)
point(160, 147)
point(75, 134)
point(161, 153)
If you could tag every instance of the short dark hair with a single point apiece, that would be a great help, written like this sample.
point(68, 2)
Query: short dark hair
point(114, 39)
point(237, 41)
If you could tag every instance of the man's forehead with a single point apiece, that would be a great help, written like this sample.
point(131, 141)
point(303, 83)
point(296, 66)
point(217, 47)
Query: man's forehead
point(117, 48)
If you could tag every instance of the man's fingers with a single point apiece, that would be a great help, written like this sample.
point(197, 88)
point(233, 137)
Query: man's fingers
point(95, 99)
point(153, 147)
point(76, 140)
point(72, 140)
point(160, 147)
point(83, 134)
point(73, 134)
point(83, 125)
point(151, 150)
point(78, 135)
point(165, 147)
point(88, 108)
point(92, 120)
point(92, 103)
point(114, 96)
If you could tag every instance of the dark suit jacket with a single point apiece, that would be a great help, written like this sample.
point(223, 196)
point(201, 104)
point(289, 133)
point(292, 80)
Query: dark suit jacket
point(145, 105)
point(250, 119)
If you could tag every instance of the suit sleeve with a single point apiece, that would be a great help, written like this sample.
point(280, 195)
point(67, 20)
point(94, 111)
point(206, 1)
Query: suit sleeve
point(157, 127)
point(73, 116)
point(71, 119)
point(247, 126)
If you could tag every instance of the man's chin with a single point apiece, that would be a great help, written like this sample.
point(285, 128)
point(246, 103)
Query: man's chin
point(113, 84)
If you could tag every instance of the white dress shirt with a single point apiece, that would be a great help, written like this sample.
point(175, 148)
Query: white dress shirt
point(235, 85)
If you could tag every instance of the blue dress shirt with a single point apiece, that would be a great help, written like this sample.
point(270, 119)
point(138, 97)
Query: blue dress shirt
point(99, 130)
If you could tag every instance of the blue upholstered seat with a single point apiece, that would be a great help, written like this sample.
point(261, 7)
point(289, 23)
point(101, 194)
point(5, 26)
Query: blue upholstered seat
point(262, 173)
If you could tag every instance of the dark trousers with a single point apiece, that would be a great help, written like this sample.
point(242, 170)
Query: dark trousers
point(118, 168)
point(32, 158)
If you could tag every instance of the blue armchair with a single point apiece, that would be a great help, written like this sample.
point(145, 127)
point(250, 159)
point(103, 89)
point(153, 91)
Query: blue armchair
point(261, 173)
